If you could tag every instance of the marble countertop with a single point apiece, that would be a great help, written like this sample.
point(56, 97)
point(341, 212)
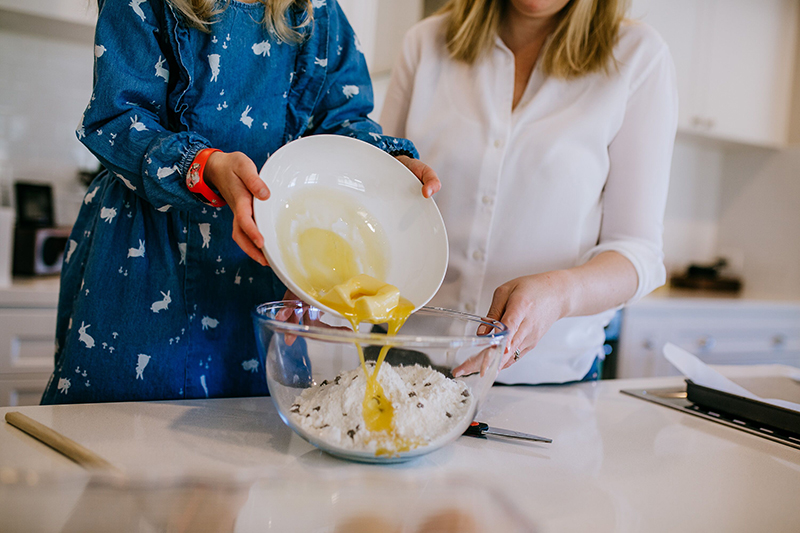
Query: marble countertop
point(616, 463)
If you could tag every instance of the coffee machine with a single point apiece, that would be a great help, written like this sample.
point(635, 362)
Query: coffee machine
point(38, 244)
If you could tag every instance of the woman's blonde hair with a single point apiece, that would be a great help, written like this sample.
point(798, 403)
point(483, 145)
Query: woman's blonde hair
point(582, 42)
point(199, 14)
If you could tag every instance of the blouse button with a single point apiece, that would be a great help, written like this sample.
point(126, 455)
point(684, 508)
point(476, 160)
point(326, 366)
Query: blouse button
point(477, 255)
point(470, 308)
point(498, 143)
point(487, 200)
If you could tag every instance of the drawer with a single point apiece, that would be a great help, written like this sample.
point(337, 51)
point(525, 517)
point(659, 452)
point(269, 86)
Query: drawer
point(737, 333)
point(27, 341)
point(22, 390)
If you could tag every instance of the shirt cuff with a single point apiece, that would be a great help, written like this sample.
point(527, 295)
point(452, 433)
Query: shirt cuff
point(646, 260)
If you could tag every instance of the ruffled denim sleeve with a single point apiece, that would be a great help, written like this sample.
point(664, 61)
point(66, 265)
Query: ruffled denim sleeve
point(126, 123)
point(346, 97)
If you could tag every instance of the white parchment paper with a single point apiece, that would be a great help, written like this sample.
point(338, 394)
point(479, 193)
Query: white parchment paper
point(702, 374)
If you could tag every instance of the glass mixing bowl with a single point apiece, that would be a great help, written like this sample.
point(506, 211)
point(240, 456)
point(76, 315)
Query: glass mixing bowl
point(307, 349)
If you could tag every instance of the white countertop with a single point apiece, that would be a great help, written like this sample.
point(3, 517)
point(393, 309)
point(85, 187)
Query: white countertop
point(617, 463)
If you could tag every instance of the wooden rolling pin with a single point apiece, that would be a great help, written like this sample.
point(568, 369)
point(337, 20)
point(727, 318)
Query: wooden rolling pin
point(67, 447)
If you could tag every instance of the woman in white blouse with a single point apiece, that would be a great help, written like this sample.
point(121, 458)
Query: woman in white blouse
point(551, 125)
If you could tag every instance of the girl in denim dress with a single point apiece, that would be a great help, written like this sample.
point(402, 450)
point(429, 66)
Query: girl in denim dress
point(155, 294)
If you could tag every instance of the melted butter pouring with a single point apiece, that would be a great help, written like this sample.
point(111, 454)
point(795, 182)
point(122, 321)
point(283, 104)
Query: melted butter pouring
point(366, 299)
point(333, 277)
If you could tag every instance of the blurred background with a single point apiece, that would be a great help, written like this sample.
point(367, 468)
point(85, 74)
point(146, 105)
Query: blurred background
point(732, 225)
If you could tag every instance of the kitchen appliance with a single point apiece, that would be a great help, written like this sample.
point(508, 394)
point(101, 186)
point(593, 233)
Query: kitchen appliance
point(38, 244)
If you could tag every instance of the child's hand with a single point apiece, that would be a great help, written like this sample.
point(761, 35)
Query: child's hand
point(425, 174)
point(236, 178)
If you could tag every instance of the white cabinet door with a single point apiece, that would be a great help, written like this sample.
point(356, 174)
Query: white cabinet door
point(27, 338)
point(734, 61)
point(25, 390)
point(735, 333)
point(750, 70)
point(680, 24)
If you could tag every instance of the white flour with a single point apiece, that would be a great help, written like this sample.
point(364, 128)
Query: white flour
point(427, 406)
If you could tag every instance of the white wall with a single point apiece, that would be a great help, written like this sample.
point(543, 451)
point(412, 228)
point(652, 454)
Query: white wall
point(741, 202)
point(690, 220)
point(44, 88)
point(760, 216)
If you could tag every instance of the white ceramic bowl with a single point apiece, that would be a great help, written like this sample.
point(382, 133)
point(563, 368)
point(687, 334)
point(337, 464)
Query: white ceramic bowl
point(343, 176)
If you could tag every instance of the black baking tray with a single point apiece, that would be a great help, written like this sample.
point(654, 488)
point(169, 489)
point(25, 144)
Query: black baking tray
point(750, 416)
point(755, 412)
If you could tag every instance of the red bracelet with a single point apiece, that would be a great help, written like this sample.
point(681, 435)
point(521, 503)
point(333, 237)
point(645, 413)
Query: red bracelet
point(194, 178)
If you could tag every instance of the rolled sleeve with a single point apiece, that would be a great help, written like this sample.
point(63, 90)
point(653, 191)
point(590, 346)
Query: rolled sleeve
point(635, 194)
point(125, 124)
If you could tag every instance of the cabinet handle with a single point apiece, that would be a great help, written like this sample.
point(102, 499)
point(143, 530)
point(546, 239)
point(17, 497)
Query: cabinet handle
point(706, 343)
point(703, 123)
point(779, 341)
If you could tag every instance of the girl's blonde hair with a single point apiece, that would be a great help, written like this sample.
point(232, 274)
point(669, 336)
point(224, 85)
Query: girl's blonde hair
point(582, 42)
point(199, 14)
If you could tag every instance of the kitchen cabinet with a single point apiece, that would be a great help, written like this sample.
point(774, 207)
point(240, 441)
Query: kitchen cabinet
point(735, 64)
point(27, 334)
point(718, 331)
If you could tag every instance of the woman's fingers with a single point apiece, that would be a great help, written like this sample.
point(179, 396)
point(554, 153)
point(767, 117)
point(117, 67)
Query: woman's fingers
point(430, 181)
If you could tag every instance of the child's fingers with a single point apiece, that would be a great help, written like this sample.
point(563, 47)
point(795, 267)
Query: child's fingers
point(247, 246)
point(430, 181)
point(255, 185)
point(243, 216)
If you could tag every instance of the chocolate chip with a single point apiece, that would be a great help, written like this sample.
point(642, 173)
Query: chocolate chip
point(465, 393)
point(316, 408)
point(295, 408)
point(323, 426)
point(354, 378)
point(448, 414)
point(351, 433)
point(336, 379)
point(420, 405)
point(412, 394)
point(344, 414)
point(324, 382)
point(463, 401)
point(427, 385)
point(308, 415)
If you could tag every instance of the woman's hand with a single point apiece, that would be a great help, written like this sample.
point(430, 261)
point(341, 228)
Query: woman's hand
point(424, 173)
point(529, 306)
point(236, 178)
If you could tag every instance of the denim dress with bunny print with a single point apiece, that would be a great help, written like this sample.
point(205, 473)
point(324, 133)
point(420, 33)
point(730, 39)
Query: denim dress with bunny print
point(155, 295)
